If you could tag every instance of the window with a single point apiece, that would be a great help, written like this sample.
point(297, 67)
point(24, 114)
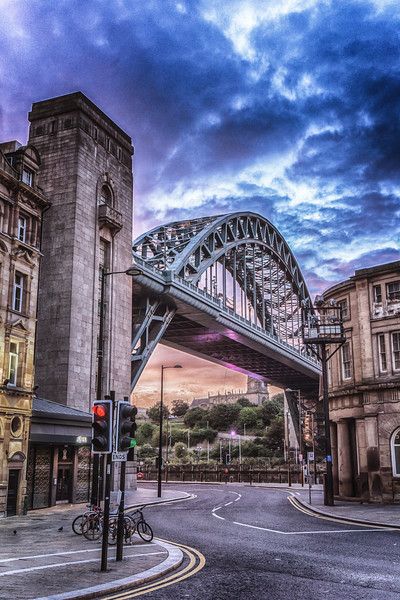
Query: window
point(396, 350)
point(18, 292)
point(377, 293)
point(106, 196)
point(395, 450)
point(27, 176)
point(393, 291)
point(53, 126)
point(13, 364)
point(21, 229)
point(345, 309)
point(346, 361)
point(382, 353)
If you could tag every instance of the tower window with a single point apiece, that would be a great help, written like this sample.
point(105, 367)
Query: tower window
point(106, 196)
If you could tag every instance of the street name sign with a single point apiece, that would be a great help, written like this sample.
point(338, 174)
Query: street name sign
point(119, 456)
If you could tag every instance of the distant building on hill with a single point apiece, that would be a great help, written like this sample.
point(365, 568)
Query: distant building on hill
point(256, 392)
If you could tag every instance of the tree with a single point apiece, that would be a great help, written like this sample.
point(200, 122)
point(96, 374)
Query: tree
point(270, 409)
point(147, 451)
point(179, 408)
point(274, 435)
point(244, 402)
point(144, 433)
point(248, 416)
point(180, 450)
point(154, 412)
point(224, 416)
point(195, 416)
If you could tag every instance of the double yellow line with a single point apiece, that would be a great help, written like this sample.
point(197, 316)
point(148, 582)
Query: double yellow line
point(296, 504)
point(195, 564)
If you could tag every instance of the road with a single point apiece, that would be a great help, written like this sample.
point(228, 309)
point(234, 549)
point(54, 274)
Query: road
point(257, 545)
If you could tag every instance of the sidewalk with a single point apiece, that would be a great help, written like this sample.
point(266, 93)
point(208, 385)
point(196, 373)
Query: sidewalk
point(41, 557)
point(387, 515)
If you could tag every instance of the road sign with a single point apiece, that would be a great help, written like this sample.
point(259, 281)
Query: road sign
point(310, 456)
point(119, 456)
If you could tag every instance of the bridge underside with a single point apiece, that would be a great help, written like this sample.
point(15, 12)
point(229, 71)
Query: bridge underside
point(223, 348)
point(189, 323)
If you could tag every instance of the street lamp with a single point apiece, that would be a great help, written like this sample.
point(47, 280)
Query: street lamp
point(133, 271)
point(163, 367)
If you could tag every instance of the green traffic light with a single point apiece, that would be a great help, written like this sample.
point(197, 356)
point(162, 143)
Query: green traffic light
point(132, 444)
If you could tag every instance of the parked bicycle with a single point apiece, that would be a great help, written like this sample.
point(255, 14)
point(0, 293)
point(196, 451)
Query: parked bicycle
point(90, 523)
point(133, 522)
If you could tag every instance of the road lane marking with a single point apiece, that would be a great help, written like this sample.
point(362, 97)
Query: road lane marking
point(75, 562)
point(218, 517)
point(195, 556)
point(310, 513)
point(66, 553)
point(228, 503)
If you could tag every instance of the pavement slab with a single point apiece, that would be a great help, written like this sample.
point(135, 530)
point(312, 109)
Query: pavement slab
point(41, 557)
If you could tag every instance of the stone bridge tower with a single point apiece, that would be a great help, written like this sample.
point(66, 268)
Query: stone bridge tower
point(87, 175)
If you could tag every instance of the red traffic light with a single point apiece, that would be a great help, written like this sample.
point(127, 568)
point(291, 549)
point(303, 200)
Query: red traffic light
point(99, 410)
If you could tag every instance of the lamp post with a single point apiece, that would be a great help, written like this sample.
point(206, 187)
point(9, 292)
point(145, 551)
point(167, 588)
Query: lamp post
point(96, 492)
point(160, 441)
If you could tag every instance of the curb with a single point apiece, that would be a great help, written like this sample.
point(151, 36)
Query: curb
point(319, 512)
point(157, 502)
point(172, 562)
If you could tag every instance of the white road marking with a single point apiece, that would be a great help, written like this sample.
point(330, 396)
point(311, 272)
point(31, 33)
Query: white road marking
point(309, 532)
point(75, 562)
point(66, 553)
point(218, 517)
point(228, 503)
point(238, 498)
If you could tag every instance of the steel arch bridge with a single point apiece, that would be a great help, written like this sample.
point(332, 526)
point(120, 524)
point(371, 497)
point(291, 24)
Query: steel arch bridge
point(225, 288)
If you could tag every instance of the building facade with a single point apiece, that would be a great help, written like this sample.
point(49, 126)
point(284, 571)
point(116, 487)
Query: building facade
point(86, 170)
point(364, 385)
point(22, 204)
point(256, 393)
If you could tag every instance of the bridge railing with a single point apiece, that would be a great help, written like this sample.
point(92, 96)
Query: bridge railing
point(172, 277)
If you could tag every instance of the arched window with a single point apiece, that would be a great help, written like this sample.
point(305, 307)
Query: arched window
point(106, 196)
point(395, 450)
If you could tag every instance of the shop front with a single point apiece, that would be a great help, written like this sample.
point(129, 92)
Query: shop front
point(59, 460)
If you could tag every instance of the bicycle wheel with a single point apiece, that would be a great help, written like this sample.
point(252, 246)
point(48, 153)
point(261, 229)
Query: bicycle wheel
point(78, 523)
point(92, 528)
point(145, 531)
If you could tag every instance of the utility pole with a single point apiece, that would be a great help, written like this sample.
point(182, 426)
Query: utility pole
point(323, 328)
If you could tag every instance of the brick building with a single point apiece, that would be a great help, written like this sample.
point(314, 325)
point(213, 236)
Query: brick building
point(256, 392)
point(22, 204)
point(364, 385)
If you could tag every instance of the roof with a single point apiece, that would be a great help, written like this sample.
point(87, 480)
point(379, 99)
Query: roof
point(47, 408)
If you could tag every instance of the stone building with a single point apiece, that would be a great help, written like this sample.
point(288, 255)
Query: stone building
point(22, 204)
point(86, 170)
point(364, 385)
point(256, 393)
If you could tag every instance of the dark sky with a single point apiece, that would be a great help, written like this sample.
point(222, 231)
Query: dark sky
point(289, 109)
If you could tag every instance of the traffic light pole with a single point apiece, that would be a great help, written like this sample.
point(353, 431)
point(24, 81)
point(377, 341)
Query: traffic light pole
point(121, 508)
point(106, 515)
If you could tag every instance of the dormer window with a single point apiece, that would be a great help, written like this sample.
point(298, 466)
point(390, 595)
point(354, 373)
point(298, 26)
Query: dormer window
point(27, 176)
point(22, 228)
point(106, 196)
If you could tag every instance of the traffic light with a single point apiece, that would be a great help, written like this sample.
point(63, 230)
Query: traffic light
point(102, 426)
point(126, 426)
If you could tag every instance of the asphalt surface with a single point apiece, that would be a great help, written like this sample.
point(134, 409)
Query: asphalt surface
point(285, 554)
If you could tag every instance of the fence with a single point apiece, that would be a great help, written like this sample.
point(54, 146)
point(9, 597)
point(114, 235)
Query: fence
point(231, 473)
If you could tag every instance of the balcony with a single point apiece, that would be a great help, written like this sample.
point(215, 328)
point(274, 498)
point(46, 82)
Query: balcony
point(110, 217)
